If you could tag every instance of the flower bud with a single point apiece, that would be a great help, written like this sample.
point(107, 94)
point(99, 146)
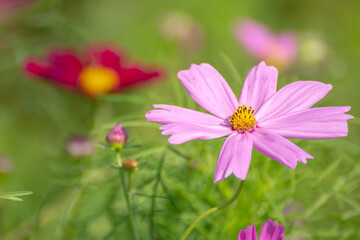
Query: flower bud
point(117, 137)
point(130, 165)
point(80, 146)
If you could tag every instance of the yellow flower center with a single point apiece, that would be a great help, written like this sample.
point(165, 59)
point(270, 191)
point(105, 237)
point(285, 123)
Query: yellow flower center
point(98, 80)
point(243, 118)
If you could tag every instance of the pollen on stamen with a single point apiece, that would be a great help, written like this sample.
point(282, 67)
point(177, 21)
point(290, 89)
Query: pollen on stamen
point(243, 118)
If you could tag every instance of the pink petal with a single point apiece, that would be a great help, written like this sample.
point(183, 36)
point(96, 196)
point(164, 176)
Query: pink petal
point(315, 123)
point(288, 43)
point(209, 89)
point(185, 124)
point(255, 37)
point(296, 96)
point(184, 132)
point(234, 157)
point(278, 148)
point(66, 67)
point(37, 68)
point(62, 66)
point(272, 231)
point(248, 234)
point(107, 55)
point(260, 85)
point(109, 58)
point(135, 75)
point(166, 114)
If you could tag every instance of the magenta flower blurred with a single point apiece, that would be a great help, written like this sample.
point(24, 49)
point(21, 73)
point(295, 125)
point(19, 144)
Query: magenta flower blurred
point(279, 50)
point(261, 118)
point(12, 8)
point(270, 231)
point(100, 69)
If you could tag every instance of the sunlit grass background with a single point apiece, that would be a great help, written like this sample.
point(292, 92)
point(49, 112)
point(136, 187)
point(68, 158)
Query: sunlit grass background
point(320, 200)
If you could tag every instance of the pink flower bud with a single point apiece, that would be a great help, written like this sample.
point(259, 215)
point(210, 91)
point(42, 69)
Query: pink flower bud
point(117, 137)
point(130, 165)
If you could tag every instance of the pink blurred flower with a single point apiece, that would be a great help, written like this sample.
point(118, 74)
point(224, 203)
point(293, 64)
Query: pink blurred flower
point(6, 164)
point(261, 118)
point(270, 231)
point(182, 28)
point(10, 8)
point(80, 146)
point(101, 70)
point(279, 49)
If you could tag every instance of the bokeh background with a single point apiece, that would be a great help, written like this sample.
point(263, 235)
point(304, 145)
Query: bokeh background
point(320, 200)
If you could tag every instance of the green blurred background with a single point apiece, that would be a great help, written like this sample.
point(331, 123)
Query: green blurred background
point(319, 200)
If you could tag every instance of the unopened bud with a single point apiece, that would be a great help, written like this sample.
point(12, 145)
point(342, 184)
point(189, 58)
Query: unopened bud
point(117, 137)
point(130, 165)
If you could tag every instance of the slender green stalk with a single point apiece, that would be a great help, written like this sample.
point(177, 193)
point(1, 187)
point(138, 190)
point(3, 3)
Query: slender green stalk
point(153, 196)
point(129, 181)
point(224, 205)
point(75, 195)
point(118, 158)
point(60, 228)
point(127, 197)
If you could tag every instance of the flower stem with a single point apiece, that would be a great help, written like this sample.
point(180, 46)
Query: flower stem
point(127, 197)
point(129, 182)
point(188, 231)
point(60, 228)
point(118, 158)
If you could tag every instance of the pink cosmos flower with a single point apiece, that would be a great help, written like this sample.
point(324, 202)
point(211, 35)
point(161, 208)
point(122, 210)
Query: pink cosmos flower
point(276, 49)
point(270, 231)
point(261, 118)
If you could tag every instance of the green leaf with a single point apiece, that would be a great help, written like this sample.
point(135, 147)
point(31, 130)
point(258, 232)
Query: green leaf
point(135, 123)
point(231, 67)
point(14, 195)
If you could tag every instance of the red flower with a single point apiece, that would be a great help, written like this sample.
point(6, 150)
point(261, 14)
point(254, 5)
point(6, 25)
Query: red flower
point(101, 70)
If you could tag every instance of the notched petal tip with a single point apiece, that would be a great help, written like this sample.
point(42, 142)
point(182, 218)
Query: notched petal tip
point(272, 230)
point(262, 64)
point(241, 176)
point(175, 141)
point(248, 234)
point(157, 105)
point(206, 65)
point(347, 109)
point(162, 128)
point(181, 74)
point(147, 115)
point(219, 177)
point(234, 157)
point(184, 74)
